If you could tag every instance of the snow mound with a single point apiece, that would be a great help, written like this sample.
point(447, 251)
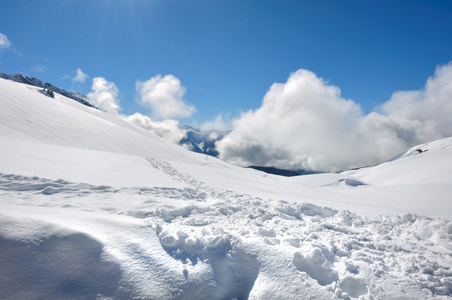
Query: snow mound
point(33, 268)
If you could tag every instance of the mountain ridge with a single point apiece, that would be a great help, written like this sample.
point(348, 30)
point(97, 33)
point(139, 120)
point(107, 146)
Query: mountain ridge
point(20, 78)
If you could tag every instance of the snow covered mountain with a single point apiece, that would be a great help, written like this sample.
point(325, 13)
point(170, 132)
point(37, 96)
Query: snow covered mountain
point(200, 141)
point(94, 207)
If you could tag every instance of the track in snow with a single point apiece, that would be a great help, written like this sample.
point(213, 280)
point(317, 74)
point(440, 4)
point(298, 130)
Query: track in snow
point(244, 240)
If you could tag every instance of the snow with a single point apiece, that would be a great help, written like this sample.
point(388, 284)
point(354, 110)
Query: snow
point(422, 164)
point(94, 207)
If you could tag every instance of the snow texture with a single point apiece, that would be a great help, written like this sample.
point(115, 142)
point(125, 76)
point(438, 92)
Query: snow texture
point(94, 207)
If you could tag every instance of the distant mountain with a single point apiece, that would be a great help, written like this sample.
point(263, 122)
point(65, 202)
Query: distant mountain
point(202, 141)
point(18, 77)
point(276, 171)
point(283, 172)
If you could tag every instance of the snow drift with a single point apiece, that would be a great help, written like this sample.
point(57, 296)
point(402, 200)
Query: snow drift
point(92, 206)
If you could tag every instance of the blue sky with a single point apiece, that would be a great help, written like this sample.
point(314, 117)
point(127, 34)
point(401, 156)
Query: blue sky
point(228, 53)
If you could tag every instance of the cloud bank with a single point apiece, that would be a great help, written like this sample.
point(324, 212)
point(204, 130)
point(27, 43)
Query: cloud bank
point(306, 124)
point(164, 96)
point(4, 42)
point(80, 76)
point(105, 95)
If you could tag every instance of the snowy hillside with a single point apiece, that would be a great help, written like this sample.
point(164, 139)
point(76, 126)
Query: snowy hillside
point(422, 164)
point(94, 207)
point(37, 82)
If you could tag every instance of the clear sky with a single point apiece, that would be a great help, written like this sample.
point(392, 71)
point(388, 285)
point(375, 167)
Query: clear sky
point(227, 53)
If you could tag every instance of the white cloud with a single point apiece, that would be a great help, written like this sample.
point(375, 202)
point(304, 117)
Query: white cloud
point(166, 129)
point(217, 124)
point(105, 95)
point(306, 124)
point(5, 43)
point(164, 96)
point(429, 110)
point(80, 76)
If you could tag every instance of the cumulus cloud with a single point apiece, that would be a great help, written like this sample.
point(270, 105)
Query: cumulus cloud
point(105, 95)
point(164, 96)
point(166, 129)
point(429, 110)
point(5, 43)
point(305, 123)
point(80, 76)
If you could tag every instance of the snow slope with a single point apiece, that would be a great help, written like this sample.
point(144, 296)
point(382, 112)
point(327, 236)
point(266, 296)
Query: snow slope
point(92, 206)
point(422, 164)
point(36, 82)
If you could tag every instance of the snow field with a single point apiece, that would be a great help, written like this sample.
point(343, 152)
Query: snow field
point(94, 207)
point(229, 246)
